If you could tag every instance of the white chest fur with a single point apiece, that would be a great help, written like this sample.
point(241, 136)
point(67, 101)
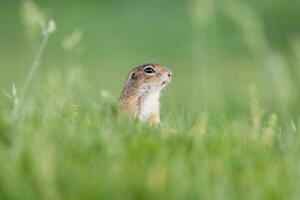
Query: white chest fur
point(149, 104)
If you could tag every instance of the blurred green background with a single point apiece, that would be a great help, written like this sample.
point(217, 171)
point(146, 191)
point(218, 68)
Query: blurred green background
point(221, 52)
point(230, 118)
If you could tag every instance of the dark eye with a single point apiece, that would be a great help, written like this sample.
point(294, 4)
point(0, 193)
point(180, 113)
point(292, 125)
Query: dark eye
point(149, 70)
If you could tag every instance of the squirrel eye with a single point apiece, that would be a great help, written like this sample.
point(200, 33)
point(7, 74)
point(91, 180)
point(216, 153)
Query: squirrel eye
point(149, 70)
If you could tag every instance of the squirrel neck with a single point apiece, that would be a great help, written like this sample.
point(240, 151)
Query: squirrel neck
point(142, 103)
point(149, 105)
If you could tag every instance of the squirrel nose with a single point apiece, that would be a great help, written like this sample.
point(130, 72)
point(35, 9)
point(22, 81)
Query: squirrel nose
point(169, 73)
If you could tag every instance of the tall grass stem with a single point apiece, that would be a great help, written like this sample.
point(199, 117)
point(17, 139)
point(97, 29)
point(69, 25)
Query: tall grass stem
point(36, 61)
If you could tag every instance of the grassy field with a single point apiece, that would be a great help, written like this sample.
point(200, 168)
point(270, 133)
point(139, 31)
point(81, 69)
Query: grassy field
point(230, 118)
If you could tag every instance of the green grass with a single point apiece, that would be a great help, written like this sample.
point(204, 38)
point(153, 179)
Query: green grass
point(69, 144)
point(230, 119)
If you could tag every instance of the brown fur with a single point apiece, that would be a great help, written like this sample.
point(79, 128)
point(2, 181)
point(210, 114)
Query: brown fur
point(139, 86)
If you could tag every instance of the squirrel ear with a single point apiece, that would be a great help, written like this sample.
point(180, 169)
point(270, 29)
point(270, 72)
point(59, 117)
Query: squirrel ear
point(133, 75)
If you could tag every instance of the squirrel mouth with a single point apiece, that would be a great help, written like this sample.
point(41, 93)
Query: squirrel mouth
point(164, 83)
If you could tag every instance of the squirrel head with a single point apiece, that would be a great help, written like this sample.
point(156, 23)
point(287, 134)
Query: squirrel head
point(149, 77)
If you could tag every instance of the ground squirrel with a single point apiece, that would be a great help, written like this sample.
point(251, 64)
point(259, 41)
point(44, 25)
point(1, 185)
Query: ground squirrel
point(141, 92)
